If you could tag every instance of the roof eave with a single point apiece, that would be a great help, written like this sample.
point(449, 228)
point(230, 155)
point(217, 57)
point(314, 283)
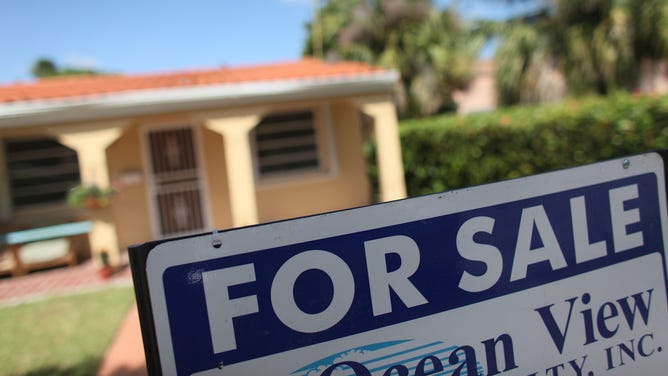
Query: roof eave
point(155, 101)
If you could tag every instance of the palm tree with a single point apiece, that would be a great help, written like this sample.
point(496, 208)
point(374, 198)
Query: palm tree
point(431, 49)
point(586, 46)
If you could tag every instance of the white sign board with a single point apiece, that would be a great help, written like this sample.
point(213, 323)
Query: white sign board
point(555, 274)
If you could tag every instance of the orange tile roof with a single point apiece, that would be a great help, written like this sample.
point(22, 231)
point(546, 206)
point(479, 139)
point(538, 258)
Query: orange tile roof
point(76, 86)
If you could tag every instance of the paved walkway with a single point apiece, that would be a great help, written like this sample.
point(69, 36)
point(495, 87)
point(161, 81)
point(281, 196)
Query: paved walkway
point(125, 355)
point(63, 280)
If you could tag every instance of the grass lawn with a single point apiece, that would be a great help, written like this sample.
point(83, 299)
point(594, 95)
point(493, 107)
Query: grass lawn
point(64, 335)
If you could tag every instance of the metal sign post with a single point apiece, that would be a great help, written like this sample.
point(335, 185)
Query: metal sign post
point(555, 274)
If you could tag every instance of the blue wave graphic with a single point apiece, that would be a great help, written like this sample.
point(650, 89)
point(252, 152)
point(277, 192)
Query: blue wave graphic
point(328, 361)
point(408, 357)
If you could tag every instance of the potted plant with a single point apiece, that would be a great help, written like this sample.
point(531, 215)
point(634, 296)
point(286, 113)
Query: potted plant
point(89, 196)
point(106, 270)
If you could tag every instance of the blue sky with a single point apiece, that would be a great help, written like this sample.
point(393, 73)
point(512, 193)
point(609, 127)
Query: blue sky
point(139, 36)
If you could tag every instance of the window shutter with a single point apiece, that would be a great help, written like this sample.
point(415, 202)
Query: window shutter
point(41, 171)
point(286, 143)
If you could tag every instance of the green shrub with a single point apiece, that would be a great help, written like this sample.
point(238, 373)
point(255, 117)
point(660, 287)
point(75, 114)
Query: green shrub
point(448, 152)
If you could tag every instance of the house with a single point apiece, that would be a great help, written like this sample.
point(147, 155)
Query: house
point(192, 151)
point(480, 96)
point(550, 86)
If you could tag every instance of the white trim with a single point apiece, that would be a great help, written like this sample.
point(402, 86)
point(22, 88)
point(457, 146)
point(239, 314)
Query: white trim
point(152, 101)
point(202, 182)
point(202, 176)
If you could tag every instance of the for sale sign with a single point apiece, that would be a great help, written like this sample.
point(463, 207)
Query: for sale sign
point(555, 274)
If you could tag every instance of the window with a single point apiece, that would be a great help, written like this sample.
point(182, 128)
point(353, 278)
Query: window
point(287, 143)
point(41, 171)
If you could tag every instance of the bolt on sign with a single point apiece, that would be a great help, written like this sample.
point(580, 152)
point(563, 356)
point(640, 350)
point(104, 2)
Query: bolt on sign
point(556, 274)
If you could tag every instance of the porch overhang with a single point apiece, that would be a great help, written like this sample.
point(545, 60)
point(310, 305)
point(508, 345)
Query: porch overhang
point(155, 101)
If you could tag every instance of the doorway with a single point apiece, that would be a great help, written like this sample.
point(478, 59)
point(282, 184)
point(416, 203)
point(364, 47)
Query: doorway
point(176, 183)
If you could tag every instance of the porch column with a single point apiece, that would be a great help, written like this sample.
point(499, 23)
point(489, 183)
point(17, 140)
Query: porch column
point(388, 148)
point(91, 144)
point(239, 162)
point(91, 148)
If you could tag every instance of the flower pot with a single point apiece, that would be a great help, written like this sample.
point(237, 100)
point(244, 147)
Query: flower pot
point(105, 272)
point(91, 203)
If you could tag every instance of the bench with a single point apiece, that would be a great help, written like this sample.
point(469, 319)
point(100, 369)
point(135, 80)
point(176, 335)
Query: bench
point(41, 247)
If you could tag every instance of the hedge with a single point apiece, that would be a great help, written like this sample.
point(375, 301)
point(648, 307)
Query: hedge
point(448, 152)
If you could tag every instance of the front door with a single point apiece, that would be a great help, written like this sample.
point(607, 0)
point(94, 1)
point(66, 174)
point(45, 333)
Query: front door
point(176, 182)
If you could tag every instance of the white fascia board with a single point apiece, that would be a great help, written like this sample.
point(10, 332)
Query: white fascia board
point(154, 101)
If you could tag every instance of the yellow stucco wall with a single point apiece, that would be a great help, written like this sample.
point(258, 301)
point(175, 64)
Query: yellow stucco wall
point(216, 178)
point(341, 183)
point(129, 208)
point(344, 187)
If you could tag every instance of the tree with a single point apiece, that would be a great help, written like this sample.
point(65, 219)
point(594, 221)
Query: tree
point(431, 49)
point(44, 67)
point(583, 47)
